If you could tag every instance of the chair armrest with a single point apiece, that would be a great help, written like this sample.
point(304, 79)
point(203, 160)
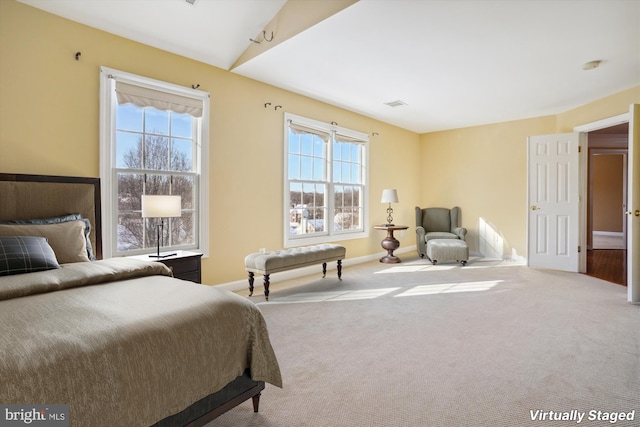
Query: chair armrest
point(461, 232)
point(421, 244)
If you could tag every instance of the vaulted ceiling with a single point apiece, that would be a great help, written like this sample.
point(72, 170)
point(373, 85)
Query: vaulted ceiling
point(450, 63)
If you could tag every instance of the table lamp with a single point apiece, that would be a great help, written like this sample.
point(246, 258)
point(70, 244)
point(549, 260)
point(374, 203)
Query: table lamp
point(161, 207)
point(389, 196)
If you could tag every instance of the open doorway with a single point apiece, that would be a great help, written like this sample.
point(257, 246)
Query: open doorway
point(607, 197)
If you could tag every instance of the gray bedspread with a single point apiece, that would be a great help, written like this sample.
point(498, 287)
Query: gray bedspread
point(123, 343)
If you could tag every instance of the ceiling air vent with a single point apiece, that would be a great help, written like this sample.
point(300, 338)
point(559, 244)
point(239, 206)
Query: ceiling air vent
point(394, 104)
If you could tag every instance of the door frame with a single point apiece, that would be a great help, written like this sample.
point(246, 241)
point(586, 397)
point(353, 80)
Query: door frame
point(583, 178)
point(604, 123)
point(586, 128)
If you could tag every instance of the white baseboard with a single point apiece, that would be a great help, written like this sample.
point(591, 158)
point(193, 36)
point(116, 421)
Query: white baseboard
point(609, 233)
point(306, 271)
point(313, 269)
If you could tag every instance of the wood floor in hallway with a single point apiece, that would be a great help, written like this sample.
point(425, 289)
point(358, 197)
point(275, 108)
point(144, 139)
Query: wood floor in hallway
point(608, 264)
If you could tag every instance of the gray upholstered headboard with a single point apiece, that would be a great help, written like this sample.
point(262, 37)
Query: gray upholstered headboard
point(40, 196)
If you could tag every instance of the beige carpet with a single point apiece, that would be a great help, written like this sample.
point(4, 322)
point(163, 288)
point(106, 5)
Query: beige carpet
point(420, 345)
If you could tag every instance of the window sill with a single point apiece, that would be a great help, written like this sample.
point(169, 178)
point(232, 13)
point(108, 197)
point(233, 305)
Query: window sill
point(305, 241)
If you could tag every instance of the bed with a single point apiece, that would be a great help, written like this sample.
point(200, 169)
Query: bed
point(118, 340)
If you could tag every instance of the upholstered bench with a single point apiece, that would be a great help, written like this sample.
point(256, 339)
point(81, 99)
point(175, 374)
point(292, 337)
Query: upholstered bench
point(267, 263)
point(447, 250)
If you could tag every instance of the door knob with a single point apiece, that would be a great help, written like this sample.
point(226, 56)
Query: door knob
point(535, 208)
point(636, 212)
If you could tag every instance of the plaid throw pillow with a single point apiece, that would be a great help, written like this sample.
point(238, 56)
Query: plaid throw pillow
point(25, 254)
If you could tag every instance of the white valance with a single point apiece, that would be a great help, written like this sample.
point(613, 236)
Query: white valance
point(302, 129)
point(146, 97)
point(328, 132)
point(351, 139)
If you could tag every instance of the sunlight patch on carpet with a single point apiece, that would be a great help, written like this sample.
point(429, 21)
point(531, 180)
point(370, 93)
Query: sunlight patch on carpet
point(441, 288)
point(334, 296)
point(446, 288)
point(408, 268)
point(474, 263)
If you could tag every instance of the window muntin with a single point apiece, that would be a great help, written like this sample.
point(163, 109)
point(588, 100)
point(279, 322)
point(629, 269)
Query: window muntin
point(348, 176)
point(307, 183)
point(325, 182)
point(145, 159)
point(145, 150)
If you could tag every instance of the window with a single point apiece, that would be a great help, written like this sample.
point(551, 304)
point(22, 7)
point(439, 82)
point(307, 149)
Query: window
point(154, 138)
point(325, 182)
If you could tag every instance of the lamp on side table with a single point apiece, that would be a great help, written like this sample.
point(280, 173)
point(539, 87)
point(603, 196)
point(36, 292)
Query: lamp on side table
point(389, 196)
point(161, 207)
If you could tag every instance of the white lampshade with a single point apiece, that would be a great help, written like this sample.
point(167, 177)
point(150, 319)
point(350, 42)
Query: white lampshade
point(389, 196)
point(161, 206)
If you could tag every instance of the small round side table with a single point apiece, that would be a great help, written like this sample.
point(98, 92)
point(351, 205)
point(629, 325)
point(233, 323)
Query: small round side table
point(390, 243)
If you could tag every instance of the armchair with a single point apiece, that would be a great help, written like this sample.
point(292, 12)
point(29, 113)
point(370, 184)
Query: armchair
point(437, 223)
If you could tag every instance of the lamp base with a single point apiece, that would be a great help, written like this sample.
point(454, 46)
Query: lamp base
point(163, 255)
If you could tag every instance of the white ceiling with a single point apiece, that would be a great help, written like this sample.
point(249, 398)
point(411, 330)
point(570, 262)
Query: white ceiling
point(455, 63)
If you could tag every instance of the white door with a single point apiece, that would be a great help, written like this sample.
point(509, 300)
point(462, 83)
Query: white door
point(554, 201)
point(633, 207)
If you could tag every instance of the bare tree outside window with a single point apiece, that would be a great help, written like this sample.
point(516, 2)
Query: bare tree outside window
point(325, 173)
point(154, 139)
point(154, 164)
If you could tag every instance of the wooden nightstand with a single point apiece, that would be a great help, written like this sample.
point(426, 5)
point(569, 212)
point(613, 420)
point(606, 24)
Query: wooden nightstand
point(185, 265)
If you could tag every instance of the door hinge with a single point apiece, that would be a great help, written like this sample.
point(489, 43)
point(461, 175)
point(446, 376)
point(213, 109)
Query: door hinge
point(579, 149)
point(579, 249)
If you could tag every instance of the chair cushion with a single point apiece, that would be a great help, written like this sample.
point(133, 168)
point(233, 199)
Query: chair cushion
point(439, 235)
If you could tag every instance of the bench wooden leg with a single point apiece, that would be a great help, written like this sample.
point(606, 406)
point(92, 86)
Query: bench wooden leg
point(250, 283)
point(324, 269)
point(266, 287)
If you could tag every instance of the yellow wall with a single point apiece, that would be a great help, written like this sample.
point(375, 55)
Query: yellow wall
point(49, 124)
point(483, 169)
point(610, 106)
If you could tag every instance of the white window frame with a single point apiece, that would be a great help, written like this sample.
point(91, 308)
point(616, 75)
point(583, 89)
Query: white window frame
point(108, 183)
point(330, 235)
